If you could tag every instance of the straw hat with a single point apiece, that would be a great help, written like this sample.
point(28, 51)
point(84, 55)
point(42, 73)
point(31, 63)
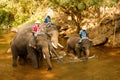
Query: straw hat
point(37, 22)
point(84, 27)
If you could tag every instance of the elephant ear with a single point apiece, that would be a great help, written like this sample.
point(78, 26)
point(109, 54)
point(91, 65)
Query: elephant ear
point(32, 43)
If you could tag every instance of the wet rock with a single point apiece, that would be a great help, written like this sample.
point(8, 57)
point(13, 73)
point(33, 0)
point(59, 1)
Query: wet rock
point(99, 40)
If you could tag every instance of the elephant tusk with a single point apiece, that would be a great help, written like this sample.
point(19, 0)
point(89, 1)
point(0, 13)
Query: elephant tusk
point(51, 53)
point(92, 56)
point(60, 45)
point(54, 45)
point(44, 56)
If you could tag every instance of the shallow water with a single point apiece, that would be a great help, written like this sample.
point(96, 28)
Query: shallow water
point(106, 66)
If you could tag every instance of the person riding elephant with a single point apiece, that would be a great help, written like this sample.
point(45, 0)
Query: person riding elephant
point(36, 28)
point(47, 19)
point(83, 33)
point(24, 43)
point(79, 48)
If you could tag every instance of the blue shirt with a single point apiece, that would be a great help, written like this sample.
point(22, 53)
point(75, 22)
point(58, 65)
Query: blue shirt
point(46, 20)
point(83, 33)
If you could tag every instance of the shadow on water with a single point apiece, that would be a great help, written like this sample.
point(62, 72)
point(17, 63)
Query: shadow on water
point(105, 67)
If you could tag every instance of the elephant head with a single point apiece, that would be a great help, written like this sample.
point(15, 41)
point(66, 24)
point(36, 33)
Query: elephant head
point(52, 31)
point(84, 47)
point(79, 48)
point(41, 45)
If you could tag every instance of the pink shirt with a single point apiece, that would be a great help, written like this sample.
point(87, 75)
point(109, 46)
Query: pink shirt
point(36, 28)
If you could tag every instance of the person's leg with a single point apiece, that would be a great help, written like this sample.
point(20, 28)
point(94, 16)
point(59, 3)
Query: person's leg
point(80, 40)
point(35, 35)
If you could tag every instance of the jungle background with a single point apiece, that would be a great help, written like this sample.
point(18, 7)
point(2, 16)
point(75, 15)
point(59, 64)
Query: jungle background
point(101, 16)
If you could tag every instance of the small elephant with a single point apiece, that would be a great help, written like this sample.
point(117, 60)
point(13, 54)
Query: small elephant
point(79, 48)
point(24, 44)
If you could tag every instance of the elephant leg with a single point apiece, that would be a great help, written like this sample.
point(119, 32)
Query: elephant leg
point(39, 58)
point(34, 61)
point(33, 56)
point(14, 56)
point(78, 52)
point(14, 60)
point(75, 53)
point(21, 61)
point(45, 51)
point(87, 53)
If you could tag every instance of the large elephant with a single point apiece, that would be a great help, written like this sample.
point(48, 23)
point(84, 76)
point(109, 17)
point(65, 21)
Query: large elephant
point(52, 32)
point(24, 44)
point(79, 48)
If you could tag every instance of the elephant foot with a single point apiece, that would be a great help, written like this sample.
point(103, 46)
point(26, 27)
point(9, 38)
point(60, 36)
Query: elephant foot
point(84, 59)
point(35, 66)
point(21, 62)
point(49, 68)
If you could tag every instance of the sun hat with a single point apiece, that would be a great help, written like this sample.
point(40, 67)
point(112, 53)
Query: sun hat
point(84, 27)
point(37, 22)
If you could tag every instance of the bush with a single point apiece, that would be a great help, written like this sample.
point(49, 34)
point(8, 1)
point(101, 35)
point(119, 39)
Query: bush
point(6, 18)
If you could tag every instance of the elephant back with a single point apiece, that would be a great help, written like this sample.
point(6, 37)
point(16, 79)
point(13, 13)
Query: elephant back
point(26, 27)
point(50, 27)
point(71, 42)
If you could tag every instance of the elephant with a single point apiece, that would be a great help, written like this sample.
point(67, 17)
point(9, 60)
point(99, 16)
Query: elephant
point(51, 31)
point(24, 44)
point(79, 48)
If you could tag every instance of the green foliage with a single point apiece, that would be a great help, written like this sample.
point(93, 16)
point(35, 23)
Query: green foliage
point(20, 11)
point(111, 3)
point(81, 6)
point(6, 17)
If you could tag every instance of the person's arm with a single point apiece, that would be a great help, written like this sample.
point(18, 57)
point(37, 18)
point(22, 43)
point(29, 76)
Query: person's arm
point(80, 33)
point(86, 33)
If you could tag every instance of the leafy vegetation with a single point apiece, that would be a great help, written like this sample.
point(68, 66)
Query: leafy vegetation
point(76, 8)
point(6, 18)
point(15, 12)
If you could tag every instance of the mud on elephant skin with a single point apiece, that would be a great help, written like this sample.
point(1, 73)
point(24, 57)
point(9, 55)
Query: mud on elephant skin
point(79, 49)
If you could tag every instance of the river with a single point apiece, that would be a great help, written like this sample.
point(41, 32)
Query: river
point(106, 66)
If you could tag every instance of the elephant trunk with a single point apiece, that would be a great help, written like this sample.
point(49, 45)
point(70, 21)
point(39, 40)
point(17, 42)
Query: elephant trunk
point(46, 52)
point(87, 51)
